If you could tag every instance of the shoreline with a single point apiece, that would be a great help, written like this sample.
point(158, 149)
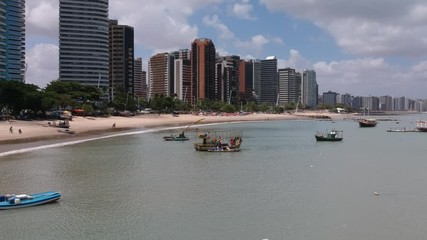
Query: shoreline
point(37, 133)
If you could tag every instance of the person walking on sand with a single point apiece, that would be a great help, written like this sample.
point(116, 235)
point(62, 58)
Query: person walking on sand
point(11, 129)
point(20, 131)
point(114, 125)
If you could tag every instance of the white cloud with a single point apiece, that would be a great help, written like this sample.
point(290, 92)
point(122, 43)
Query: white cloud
point(295, 61)
point(371, 76)
point(215, 22)
point(42, 18)
point(42, 64)
point(375, 28)
point(243, 10)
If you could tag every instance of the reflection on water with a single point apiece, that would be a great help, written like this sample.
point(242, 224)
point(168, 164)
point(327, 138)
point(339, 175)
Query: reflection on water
point(282, 185)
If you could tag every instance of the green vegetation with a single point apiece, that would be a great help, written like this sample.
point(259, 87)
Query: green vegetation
point(29, 101)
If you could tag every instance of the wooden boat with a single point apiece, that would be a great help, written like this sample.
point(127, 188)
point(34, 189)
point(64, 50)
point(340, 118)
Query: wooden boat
point(421, 126)
point(12, 201)
point(329, 136)
point(223, 149)
point(222, 139)
point(367, 122)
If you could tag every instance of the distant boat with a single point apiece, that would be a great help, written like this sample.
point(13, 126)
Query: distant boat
point(179, 137)
point(329, 136)
point(367, 122)
point(12, 201)
point(421, 126)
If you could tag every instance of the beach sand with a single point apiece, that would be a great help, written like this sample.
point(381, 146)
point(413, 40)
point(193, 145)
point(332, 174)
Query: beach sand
point(35, 131)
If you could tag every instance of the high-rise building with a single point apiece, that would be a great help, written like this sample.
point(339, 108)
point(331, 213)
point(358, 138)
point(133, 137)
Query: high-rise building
point(160, 75)
point(256, 79)
point(386, 103)
point(227, 78)
point(181, 54)
point(12, 40)
point(269, 85)
point(330, 98)
point(182, 76)
point(140, 84)
point(246, 80)
point(309, 89)
point(84, 42)
point(121, 58)
point(289, 86)
point(203, 84)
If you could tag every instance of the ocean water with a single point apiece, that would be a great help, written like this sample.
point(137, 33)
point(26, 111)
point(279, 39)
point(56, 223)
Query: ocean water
point(281, 185)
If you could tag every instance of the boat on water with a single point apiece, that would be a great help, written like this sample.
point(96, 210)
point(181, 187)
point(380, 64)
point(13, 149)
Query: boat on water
point(179, 137)
point(329, 136)
point(219, 140)
point(223, 149)
point(367, 122)
point(11, 201)
point(421, 126)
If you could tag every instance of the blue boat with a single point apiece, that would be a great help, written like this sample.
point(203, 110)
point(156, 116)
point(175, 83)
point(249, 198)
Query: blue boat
point(11, 201)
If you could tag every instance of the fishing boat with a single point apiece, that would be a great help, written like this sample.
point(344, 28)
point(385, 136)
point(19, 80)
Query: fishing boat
point(329, 136)
point(421, 126)
point(213, 140)
point(11, 201)
point(179, 137)
point(223, 149)
point(367, 122)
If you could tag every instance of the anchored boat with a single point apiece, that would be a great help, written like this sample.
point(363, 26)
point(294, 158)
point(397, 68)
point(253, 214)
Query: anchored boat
point(329, 136)
point(11, 201)
point(219, 141)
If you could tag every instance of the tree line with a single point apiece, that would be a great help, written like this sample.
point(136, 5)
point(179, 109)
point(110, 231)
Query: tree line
point(19, 99)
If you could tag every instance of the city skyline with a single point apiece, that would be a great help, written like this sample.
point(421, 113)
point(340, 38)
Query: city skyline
point(363, 48)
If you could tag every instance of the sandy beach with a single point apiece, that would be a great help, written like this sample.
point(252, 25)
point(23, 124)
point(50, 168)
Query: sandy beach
point(34, 131)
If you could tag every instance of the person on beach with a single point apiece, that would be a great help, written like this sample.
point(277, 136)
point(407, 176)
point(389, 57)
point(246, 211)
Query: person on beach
point(11, 129)
point(114, 125)
point(20, 131)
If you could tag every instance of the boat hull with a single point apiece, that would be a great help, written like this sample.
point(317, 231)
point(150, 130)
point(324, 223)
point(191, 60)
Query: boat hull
point(367, 123)
point(326, 139)
point(37, 199)
point(172, 138)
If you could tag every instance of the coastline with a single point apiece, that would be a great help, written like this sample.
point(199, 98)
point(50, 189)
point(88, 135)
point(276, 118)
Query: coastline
point(36, 133)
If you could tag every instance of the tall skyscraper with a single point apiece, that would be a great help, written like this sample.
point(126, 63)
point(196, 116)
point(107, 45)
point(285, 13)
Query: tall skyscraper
point(289, 86)
point(121, 58)
point(160, 75)
point(227, 78)
point(203, 56)
point(309, 89)
point(256, 74)
point(269, 85)
point(84, 42)
point(246, 80)
point(12, 40)
point(140, 86)
point(182, 76)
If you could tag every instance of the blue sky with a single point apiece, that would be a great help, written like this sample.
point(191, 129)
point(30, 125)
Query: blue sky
point(376, 47)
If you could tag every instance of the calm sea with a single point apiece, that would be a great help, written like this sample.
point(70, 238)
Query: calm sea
point(282, 185)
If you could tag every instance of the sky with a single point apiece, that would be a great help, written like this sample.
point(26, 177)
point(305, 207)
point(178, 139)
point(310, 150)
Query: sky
point(364, 47)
